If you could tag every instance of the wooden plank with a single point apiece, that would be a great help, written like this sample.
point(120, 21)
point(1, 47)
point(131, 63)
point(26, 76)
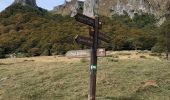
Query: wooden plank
point(101, 36)
point(84, 40)
point(85, 19)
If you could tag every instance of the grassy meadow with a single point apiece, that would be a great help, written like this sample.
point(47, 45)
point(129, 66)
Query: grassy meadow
point(119, 77)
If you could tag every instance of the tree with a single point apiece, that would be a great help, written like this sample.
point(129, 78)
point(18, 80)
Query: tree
point(165, 30)
point(2, 53)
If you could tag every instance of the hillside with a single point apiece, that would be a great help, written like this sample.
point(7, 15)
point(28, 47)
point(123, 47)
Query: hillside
point(34, 31)
point(27, 29)
point(26, 2)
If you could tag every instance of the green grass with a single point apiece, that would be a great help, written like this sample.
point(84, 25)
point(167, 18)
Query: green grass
point(69, 80)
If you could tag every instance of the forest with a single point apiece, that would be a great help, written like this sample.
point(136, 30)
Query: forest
point(32, 31)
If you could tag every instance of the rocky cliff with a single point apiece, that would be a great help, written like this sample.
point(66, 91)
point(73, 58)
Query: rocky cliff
point(156, 7)
point(26, 2)
point(64, 9)
point(159, 8)
point(67, 7)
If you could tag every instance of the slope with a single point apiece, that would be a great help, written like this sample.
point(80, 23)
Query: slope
point(33, 31)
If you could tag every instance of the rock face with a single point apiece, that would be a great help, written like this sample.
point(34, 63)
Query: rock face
point(26, 2)
point(159, 8)
point(67, 7)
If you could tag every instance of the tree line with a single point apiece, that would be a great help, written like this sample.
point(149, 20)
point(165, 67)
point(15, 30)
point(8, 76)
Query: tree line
point(33, 31)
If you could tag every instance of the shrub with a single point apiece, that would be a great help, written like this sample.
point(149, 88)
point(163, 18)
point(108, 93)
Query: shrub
point(157, 49)
point(35, 52)
point(2, 53)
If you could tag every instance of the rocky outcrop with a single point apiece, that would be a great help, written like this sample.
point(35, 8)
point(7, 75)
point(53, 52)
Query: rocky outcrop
point(159, 8)
point(156, 7)
point(67, 7)
point(26, 2)
point(64, 9)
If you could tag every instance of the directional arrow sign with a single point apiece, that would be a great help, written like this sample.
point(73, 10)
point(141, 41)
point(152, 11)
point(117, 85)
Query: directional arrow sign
point(102, 36)
point(84, 40)
point(86, 20)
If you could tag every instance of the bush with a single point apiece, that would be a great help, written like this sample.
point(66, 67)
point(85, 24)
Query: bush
point(2, 53)
point(35, 52)
point(46, 52)
point(157, 49)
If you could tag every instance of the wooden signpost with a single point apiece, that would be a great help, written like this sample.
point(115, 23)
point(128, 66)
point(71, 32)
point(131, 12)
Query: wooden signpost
point(102, 36)
point(84, 40)
point(93, 43)
point(86, 20)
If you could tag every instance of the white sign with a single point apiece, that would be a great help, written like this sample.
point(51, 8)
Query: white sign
point(84, 53)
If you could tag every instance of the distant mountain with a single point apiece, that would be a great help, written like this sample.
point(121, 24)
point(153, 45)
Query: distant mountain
point(159, 8)
point(26, 2)
point(66, 8)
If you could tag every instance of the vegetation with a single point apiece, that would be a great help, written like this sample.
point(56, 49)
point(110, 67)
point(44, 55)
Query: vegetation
point(29, 31)
point(132, 34)
point(34, 79)
point(165, 29)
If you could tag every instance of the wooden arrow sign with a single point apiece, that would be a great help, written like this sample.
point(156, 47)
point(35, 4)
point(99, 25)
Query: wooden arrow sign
point(102, 36)
point(86, 20)
point(84, 40)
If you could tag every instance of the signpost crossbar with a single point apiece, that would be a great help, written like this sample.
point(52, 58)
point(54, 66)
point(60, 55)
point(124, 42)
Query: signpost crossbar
point(84, 40)
point(102, 36)
point(84, 19)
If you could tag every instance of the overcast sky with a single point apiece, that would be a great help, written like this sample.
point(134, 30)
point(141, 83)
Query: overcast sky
point(47, 4)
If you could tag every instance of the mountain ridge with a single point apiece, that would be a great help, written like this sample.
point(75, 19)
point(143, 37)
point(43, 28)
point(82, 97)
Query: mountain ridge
point(26, 2)
point(159, 8)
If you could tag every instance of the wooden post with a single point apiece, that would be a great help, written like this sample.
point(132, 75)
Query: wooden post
point(93, 66)
point(93, 43)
